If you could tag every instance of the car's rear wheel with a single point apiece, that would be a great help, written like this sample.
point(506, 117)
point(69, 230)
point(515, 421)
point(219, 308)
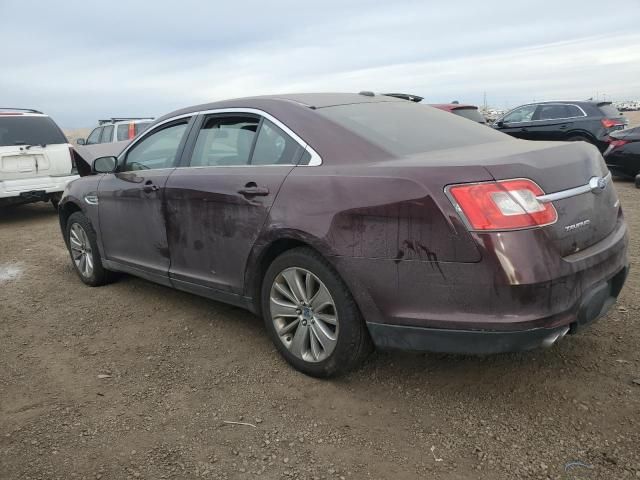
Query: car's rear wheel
point(83, 248)
point(311, 316)
point(638, 181)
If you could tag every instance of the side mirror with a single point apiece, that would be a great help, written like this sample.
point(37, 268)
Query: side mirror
point(105, 165)
point(81, 141)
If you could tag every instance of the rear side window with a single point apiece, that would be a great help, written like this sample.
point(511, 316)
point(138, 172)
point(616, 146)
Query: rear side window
point(275, 147)
point(107, 134)
point(29, 130)
point(122, 133)
point(574, 111)
point(609, 111)
point(225, 141)
point(405, 128)
point(552, 112)
point(470, 113)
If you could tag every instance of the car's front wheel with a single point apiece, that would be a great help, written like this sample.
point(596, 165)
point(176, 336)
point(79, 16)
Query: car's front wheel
point(83, 248)
point(311, 316)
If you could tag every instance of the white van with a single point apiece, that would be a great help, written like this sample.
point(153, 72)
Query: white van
point(36, 160)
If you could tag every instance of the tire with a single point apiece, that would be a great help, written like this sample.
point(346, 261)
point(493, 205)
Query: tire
point(637, 181)
point(352, 343)
point(81, 240)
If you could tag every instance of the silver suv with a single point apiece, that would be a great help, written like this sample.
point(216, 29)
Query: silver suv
point(116, 130)
point(36, 160)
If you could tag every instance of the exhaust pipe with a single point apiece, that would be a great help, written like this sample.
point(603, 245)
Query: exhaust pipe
point(554, 337)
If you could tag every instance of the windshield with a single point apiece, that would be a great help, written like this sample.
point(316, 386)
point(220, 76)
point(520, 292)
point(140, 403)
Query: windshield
point(29, 130)
point(470, 113)
point(405, 128)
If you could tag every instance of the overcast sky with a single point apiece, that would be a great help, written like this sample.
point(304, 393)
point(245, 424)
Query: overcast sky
point(80, 61)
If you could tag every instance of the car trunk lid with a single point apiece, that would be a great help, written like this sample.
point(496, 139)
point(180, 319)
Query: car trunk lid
point(562, 168)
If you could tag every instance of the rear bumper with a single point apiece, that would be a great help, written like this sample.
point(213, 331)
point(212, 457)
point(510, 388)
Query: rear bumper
point(37, 185)
point(594, 304)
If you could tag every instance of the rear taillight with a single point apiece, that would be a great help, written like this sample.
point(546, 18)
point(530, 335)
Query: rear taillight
point(610, 123)
point(132, 130)
point(502, 205)
point(615, 143)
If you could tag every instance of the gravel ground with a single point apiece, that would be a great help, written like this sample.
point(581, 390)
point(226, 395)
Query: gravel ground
point(134, 380)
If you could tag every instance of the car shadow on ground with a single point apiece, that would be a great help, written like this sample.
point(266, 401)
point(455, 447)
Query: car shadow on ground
point(25, 213)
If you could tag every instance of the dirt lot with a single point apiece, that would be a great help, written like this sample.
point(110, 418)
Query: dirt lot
point(134, 380)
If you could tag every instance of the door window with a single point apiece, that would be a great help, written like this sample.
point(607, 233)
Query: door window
point(107, 134)
point(225, 141)
point(522, 114)
point(573, 111)
point(122, 132)
point(552, 112)
point(157, 150)
point(94, 137)
point(275, 147)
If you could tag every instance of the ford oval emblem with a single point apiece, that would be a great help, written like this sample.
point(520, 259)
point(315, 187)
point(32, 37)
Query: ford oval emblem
point(597, 184)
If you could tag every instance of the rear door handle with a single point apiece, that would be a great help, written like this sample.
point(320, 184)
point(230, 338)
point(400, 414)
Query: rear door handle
point(150, 187)
point(253, 190)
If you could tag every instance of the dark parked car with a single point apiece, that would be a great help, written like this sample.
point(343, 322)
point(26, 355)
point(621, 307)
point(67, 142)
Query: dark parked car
point(346, 220)
point(467, 111)
point(623, 155)
point(586, 121)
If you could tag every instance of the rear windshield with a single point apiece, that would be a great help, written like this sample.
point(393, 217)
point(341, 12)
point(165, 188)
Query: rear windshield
point(404, 128)
point(470, 113)
point(609, 111)
point(29, 130)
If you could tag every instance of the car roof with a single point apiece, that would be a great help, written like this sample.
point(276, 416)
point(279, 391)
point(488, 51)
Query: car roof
point(305, 100)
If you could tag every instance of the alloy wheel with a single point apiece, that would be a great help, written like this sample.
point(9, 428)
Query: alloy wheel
point(81, 251)
point(304, 314)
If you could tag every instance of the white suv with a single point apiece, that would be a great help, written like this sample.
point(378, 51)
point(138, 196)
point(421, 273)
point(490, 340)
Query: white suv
point(116, 130)
point(36, 160)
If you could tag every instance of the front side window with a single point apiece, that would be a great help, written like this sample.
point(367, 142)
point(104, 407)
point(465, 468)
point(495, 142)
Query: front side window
point(157, 150)
point(225, 141)
point(107, 134)
point(522, 114)
point(94, 137)
point(275, 147)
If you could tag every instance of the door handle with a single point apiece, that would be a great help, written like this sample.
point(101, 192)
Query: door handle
point(253, 190)
point(150, 187)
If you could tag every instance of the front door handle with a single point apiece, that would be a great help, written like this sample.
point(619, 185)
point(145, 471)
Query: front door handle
point(150, 187)
point(253, 190)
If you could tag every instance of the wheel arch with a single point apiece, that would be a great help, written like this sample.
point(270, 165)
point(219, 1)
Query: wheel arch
point(581, 133)
point(64, 212)
point(264, 253)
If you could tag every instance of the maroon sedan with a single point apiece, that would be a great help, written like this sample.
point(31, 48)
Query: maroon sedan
point(350, 221)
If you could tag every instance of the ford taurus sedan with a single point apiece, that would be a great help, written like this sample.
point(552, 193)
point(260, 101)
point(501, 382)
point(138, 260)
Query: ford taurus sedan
point(349, 221)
